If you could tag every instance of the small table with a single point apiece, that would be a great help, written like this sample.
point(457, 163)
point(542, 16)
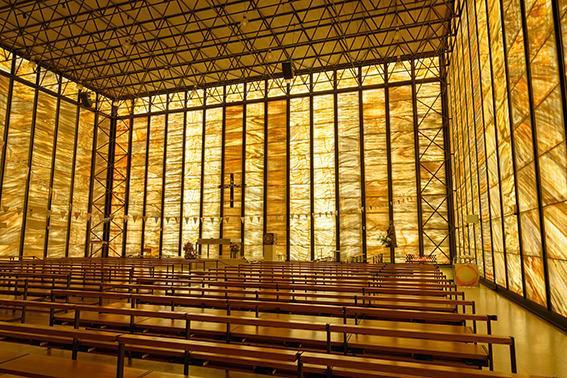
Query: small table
point(208, 242)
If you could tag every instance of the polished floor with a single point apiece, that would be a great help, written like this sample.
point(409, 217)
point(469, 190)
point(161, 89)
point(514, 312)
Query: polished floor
point(541, 348)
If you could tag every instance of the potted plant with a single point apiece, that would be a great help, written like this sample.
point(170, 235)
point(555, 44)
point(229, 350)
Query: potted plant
point(389, 240)
point(189, 251)
point(234, 250)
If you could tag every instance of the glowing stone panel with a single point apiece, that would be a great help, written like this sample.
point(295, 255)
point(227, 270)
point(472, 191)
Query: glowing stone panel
point(254, 167)
point(276, 172)
point(300, 179)
point(349, 176)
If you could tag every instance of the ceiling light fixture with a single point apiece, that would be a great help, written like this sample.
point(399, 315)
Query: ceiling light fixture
point(269, 55)
point(397, 35)
point(244, 21)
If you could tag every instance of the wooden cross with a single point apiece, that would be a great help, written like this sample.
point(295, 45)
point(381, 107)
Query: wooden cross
point(232, 185)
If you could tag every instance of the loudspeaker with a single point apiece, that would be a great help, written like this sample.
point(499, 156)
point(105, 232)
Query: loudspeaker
point(270, 239)
point(86, 100)
point(287, 70)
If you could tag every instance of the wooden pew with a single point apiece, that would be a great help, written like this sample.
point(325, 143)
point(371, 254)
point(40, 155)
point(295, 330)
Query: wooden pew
point(33, 365)
point(269, 330)
point(189, 346)
point(357, 367)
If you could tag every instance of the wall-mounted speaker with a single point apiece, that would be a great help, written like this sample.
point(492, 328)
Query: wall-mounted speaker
point(287, 70)
point(86, 99)
point(270, 239)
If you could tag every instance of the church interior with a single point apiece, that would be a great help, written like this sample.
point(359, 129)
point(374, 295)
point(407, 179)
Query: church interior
point(310, 188)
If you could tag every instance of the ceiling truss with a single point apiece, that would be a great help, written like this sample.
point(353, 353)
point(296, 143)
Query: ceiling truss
point(134, 48)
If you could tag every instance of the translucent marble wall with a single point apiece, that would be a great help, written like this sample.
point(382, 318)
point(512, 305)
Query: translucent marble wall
point(550, 143)
point(81, 184)
point(192, 177)
point(99, 185)
point(324, 192)
point(519, 134)
point(62, 179)
point(524, 158)
point(172, 190)
point(232, 222)
point(154, 185)
point(15, 174)
point(276, 175)
point(212, 178)
point(403, 170)
point(375, 171)
point(46, 164)
point(350, 192)
point(300, 179)
point(41, 159)
point(135, 224)
point(254, 166)
point(432, 170)
point(119, 183)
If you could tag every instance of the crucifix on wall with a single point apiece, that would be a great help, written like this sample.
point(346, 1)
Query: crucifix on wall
point(232, 185)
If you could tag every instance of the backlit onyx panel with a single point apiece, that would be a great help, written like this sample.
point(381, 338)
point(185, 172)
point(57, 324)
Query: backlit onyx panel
point(192, 176)
point(119, 182)
point(276, 171)
point(4, 85)
point(41, 159)
point(172, 188)
point(375, 171)
point(212, 178)
point(81, 184)
point(135, 224)
point(300, 179)
point(520, 144)
point(349, 176)
point(432, 170)
point(324, 176)
point(232, 222)
point(524, 159)
point(62, 175)
point(154, 184)
point(254, 166)
point(551, 145)
point(403, 172)
point(15, 172)
point(5, 60)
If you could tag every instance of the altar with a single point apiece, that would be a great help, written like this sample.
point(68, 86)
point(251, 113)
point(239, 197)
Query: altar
point(209, 242)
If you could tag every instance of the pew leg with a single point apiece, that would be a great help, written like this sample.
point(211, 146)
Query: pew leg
point(513, 355)
point(186, 358)
point(120, 362)
point(75, 349)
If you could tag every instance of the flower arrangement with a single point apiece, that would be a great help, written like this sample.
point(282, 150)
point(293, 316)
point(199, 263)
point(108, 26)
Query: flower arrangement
point(234, 250)
point(190, 251)
point(389, 240)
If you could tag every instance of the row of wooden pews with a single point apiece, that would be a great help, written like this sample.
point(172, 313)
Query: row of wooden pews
point(285, 319)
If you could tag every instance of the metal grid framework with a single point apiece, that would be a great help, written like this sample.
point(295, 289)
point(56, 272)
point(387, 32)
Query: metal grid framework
point(129, 49)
